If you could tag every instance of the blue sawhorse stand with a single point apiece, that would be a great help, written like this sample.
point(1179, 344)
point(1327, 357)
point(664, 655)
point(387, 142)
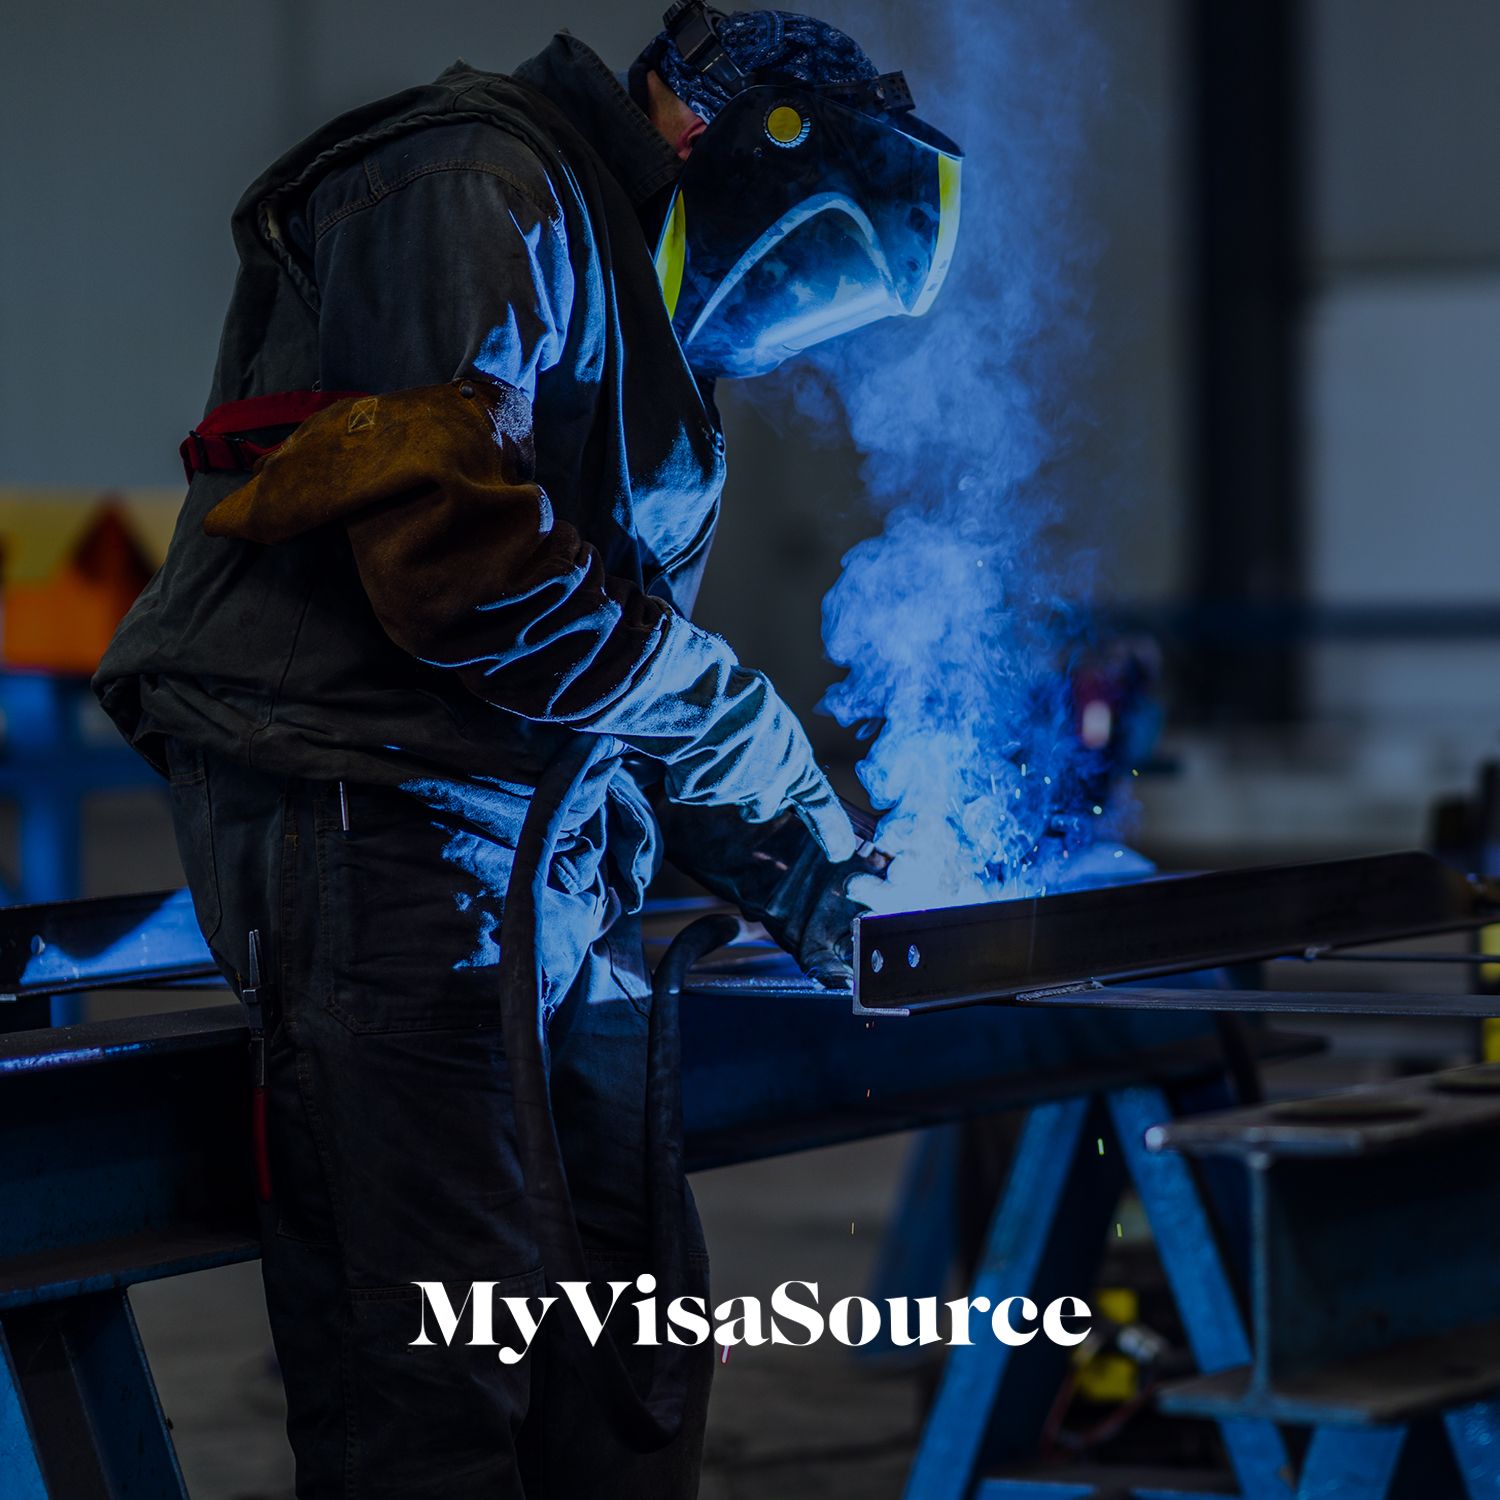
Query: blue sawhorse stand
point(1374, 1281)
point(1045, 1241)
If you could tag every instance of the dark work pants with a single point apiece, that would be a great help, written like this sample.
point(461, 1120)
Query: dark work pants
point(392, 1141)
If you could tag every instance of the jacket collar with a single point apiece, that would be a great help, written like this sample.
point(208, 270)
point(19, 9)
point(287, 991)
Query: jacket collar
point(575, 79)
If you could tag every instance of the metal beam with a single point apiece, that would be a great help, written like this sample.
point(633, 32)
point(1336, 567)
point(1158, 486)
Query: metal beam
point(56, 947)
point(1046, 947)
point(1393, 1004)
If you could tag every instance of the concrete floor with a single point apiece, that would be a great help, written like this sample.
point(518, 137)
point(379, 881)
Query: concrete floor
point(805, 1423)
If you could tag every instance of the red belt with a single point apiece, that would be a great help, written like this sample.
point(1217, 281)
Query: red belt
point(223, 443)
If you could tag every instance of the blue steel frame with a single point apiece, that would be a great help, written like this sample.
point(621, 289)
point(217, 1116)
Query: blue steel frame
point(920, 1240)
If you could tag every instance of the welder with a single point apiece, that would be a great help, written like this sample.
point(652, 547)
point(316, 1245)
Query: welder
point(420, 669)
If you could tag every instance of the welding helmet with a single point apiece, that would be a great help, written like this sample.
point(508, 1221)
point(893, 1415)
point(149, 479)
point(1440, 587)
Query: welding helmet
point(805, 210)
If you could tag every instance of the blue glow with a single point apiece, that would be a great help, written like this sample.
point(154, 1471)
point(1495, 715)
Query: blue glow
point(41, 1061)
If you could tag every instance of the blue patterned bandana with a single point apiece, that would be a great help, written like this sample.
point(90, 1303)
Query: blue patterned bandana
point(768, 46)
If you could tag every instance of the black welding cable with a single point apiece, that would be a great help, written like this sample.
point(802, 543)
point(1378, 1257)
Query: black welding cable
point(664, 1125)
point(650, 1419)
point(522, 1016)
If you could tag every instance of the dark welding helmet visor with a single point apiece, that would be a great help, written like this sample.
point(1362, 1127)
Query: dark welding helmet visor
point(804, 213)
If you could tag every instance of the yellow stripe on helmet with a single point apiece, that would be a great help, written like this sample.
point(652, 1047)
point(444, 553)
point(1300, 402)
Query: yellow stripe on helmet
point(671, 254)
point(949, 169)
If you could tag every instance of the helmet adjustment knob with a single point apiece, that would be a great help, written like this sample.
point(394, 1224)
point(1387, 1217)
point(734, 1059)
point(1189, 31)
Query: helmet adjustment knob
point(786, 125)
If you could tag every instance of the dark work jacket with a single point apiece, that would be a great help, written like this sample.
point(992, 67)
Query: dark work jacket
point(479, 224)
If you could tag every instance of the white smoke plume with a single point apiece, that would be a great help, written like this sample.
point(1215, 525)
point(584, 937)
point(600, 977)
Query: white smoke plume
point(952, 621)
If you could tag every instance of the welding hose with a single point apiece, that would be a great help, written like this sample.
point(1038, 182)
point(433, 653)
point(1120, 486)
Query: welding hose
point(651, 1419)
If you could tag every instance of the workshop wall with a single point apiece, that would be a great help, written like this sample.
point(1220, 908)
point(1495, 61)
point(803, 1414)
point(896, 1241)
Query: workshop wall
point(1403, 331)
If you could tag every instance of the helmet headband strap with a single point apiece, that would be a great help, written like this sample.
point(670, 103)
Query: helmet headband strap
point(690, 27)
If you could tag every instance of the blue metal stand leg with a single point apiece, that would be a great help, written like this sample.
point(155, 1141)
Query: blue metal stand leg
point(19, 1464)
point(79, 1416)
point(918, 1247)
point(1474, 1432)
point(1195, 1266)
point(1045, 1241)
point(1351, 1464)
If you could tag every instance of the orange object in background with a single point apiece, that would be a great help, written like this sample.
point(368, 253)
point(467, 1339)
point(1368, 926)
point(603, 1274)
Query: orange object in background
point(64, 624)
point(71, 569)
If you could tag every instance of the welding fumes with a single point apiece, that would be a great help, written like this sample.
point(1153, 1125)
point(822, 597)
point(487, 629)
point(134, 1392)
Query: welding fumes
point(975, 755)
point(953, 624)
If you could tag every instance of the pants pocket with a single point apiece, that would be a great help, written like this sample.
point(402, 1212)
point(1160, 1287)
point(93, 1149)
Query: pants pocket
point(410, 905)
